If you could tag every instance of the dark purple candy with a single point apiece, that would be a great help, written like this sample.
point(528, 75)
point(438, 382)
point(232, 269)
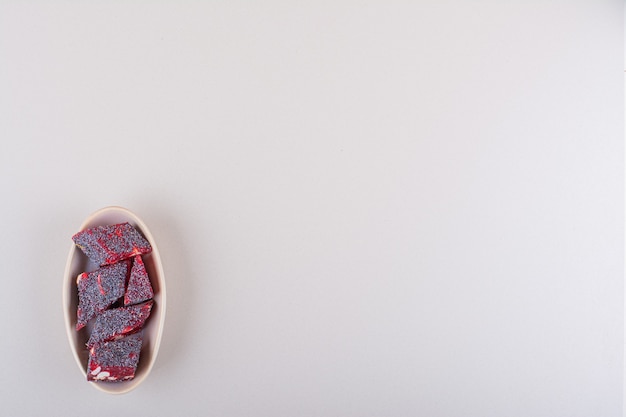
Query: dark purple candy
point(139, 288)
point(99, 289)
point(119, 322)
point(105, 245)
point(116, 360)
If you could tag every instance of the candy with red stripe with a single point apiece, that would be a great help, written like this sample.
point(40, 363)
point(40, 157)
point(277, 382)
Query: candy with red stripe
point(119, 322)
point(99, 289)
point(139, 287)
point(105, 245)
point(116, 360)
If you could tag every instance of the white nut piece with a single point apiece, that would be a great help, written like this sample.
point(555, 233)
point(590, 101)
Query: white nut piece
point(103, 375)
point(95, 371)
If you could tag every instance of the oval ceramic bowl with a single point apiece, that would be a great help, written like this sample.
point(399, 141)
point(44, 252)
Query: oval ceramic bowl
point(77, 263)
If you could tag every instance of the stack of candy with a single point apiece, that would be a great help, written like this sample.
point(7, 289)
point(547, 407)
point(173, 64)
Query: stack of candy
point(117, 296)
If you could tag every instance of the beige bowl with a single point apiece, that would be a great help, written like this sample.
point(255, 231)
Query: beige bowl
point(77, 263)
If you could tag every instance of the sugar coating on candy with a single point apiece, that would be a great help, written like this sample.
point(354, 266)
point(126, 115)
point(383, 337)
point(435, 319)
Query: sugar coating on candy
point(114, 361)
point(106, 245)
point(118, 322)
point(99, 289)
point(139, 288)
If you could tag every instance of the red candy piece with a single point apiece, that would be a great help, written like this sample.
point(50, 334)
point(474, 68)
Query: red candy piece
point(106, 245)
point(99, 289)
point(139, 287)
point(114, 361)
point(118, 322)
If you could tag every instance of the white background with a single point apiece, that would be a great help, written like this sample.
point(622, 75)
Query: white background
point(405, 208)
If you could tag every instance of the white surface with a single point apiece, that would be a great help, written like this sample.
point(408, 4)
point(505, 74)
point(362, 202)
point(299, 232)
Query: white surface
point(368, 209)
